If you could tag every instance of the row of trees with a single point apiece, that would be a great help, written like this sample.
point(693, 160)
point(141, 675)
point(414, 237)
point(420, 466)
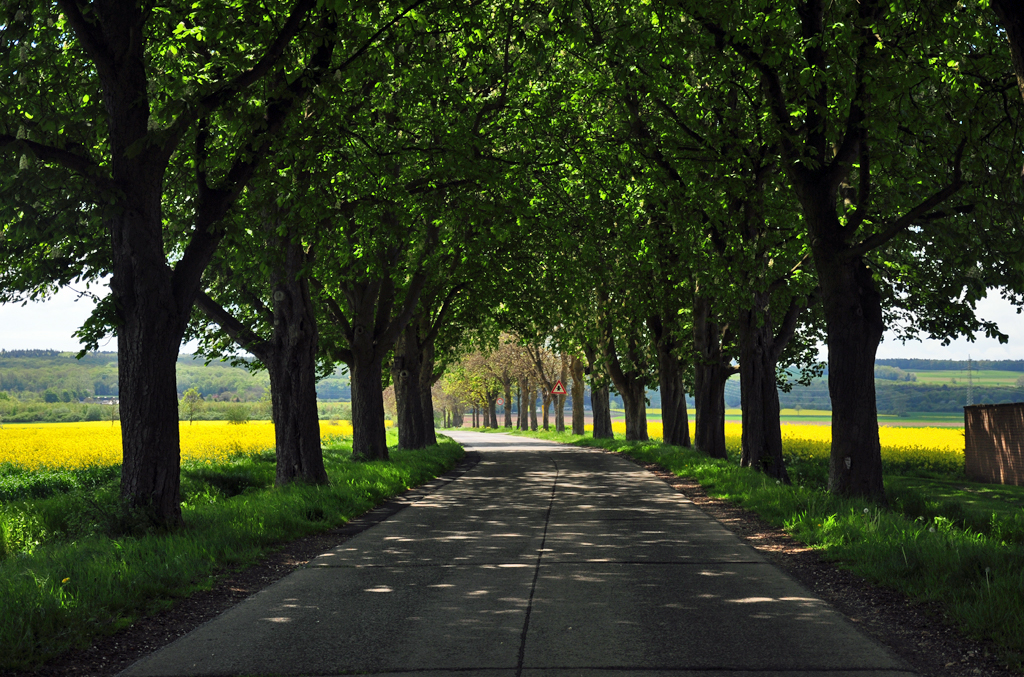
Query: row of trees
point(518, 371)
point(663, 190)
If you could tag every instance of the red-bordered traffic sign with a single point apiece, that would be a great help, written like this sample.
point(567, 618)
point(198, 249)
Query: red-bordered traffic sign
point(501, 402)
point(559, 389)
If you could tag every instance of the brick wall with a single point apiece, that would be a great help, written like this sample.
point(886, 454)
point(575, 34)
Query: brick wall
point(995, 443)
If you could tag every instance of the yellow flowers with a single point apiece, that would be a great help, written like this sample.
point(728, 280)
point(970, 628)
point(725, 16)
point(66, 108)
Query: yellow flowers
point(936, 449)
point(81, 445)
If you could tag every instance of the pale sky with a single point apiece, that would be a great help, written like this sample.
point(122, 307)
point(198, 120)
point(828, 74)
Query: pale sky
point(50, 325)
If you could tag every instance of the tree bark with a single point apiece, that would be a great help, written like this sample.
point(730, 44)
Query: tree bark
point(524, 417)
point(407, 376)
point(492, 410)
point(147, 351)
point(762, 431)
point(546, 407)
point(712, 371)
point(578, 389)
point(366, 371)
point(290, 359)
point(427, 381)
point(600, 405)
point(674, 418)
point(152, 312)
point(630, 385)
point(853, 314)
point(533, 406)
point(506, 382)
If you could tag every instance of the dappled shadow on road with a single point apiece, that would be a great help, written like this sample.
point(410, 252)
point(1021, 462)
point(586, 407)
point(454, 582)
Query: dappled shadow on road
point(542, 556)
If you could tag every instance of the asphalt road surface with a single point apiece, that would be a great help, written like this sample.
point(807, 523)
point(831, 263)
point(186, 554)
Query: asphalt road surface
point(543, 560)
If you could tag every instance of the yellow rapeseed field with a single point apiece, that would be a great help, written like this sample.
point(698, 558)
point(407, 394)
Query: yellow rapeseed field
point(938, 449)
point(80, 445)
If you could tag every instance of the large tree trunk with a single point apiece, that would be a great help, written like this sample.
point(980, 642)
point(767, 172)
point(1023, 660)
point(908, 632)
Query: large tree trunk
point(147, 352)
point(578, 389)
point(152, 315)
point(634, 399)
point(427, 381)
point(600, 406)
point(290, 358)
point(675, 422)
point(711, 373)
point(762, 431)
point(546, 403)
point(492, 410)
point(407, 375)
point(853, 315)
point(369, 440)
point(631, 386)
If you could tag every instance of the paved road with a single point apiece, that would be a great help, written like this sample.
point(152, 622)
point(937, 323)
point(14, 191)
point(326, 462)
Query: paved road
point(543, 560)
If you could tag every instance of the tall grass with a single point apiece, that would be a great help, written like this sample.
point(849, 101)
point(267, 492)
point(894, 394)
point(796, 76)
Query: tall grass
point(74, 565)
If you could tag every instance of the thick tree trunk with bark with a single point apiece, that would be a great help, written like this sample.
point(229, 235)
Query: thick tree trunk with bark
point(147, 351)
point(151, 310)
point(711, 371)
point(674, 417)
point(546, 398)
point(427, 381)
point(366, 372)
point(760, 350)
point(492, 411)
point(675, 421)
point(600, 405)
point(762, 431)
point(853, 314)
point(290, 358)
point(407, 376)
point(634, 400)
point(630, 385)
point(578, 389)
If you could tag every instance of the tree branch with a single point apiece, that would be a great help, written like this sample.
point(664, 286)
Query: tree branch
point(914, 215)
point(238, 332)
point(73, 162)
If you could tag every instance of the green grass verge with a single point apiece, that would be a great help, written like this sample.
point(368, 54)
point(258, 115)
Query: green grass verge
point(73, 566)
point(944, 540)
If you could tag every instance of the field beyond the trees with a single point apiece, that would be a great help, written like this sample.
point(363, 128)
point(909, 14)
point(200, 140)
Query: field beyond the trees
point(68, 446)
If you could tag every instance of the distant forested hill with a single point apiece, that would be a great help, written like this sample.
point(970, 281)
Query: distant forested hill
point(952, 365)
point(34, 372)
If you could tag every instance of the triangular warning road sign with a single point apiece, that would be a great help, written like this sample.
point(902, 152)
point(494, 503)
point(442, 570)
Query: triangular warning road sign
point(559, 389)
